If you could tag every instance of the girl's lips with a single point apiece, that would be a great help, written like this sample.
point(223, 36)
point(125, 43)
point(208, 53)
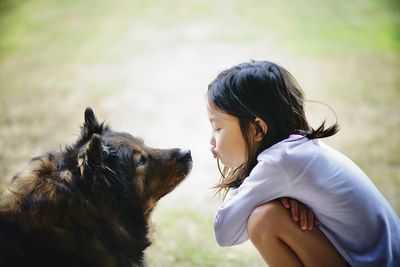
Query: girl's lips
point(214, 154)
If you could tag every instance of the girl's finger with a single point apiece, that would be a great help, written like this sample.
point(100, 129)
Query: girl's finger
point(310, 219)
point(303, 217)
point(285, 202)
point(294, 210)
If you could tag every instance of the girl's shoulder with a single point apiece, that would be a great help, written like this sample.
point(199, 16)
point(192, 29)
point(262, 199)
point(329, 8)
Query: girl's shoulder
point(300, 153)
point(294, 146)
point(297, 153)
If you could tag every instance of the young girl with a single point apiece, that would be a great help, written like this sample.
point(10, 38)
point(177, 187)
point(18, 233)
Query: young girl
point(261, 135)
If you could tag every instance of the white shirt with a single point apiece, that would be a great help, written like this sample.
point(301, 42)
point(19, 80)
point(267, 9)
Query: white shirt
point(354, 215)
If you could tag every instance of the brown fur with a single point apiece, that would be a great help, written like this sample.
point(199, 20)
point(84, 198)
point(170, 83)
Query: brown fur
point(90, 204)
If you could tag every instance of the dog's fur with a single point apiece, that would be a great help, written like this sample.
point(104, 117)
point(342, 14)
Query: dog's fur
point(88, 205)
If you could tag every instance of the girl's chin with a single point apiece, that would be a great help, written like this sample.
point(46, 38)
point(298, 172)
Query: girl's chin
point(229, 164)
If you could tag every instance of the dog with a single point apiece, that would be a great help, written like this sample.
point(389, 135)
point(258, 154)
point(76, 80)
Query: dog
point(88, 204)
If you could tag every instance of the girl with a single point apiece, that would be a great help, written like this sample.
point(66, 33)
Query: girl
point(269, 150)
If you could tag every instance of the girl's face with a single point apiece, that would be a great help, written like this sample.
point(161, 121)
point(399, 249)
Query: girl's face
point(227, 141)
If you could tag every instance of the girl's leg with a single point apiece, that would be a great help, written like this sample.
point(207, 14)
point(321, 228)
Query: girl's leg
point(281, 242)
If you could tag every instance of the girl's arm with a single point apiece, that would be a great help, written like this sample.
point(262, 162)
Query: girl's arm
point(265, 183)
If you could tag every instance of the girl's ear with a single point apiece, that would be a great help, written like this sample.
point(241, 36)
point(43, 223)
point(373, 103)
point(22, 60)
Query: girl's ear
point(261, 129)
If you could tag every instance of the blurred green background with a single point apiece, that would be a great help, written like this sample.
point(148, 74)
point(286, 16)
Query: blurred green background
point(144, 66)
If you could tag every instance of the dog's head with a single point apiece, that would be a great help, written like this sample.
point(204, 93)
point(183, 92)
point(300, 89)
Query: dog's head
point(111, 168)
point(119, 163)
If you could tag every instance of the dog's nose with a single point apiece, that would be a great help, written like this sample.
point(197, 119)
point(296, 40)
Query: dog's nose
point(183, 154)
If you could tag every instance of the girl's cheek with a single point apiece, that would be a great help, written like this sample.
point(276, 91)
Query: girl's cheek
point(218, 138)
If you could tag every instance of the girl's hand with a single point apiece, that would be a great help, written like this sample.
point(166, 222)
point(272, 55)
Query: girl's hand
point(300, 213)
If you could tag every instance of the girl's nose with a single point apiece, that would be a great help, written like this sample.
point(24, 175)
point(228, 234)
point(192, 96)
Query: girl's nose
point(212, 141)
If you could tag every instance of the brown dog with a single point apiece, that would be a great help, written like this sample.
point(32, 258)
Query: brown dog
point(90, 204)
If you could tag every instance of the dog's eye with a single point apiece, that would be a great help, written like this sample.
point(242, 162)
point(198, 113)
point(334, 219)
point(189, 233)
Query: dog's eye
point(141, 161)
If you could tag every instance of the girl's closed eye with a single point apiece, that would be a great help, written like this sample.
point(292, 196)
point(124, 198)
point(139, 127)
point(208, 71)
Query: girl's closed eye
point(216, 127)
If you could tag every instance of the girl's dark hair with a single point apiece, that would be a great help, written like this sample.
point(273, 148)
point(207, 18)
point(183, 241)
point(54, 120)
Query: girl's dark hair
point(268, 91)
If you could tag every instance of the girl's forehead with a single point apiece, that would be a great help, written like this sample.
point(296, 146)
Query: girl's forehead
point(215, 114)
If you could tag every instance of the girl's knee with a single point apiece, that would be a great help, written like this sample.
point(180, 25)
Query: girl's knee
point(264, 220)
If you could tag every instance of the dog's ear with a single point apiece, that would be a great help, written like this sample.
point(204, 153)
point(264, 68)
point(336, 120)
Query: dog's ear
point(90, 119)
point(90, 126)
point(90, 159)
point(95, 174)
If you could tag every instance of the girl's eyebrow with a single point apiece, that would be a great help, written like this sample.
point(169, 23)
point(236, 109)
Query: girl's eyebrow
point(213, 119)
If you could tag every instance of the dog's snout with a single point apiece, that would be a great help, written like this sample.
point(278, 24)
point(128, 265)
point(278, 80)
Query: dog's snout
point(183, 155)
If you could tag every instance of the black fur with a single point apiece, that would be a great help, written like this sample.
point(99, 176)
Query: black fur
point(90, 204)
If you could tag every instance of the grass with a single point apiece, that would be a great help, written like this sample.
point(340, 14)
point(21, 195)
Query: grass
point(185, 238)
point(145, 65)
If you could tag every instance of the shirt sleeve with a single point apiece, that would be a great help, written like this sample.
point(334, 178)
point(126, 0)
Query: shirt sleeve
point(265, 183)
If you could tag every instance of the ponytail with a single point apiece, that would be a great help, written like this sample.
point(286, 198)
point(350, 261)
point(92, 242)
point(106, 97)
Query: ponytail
point(321, 132)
